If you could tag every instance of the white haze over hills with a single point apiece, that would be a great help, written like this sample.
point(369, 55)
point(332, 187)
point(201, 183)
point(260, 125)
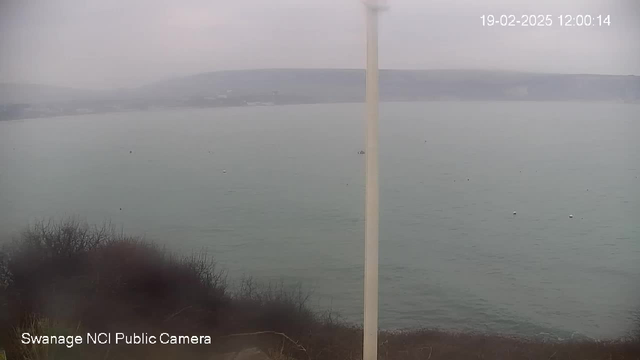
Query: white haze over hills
point(296, 86)
point(329, 85)
point(98, 44)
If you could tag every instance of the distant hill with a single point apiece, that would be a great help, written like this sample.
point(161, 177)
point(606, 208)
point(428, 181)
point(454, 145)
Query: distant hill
point(348, 85)
point(301, 86)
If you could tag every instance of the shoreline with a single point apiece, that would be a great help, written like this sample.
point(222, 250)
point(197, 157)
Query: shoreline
point(178, 108)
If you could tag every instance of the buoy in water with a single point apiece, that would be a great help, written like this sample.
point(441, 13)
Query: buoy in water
point(514, 213)
point(224, 171)
point(130, 152)
point(570, 216)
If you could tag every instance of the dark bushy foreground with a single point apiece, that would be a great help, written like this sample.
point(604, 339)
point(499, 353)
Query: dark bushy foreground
point(71, 278)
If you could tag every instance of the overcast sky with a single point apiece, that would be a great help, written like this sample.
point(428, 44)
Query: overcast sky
point(123, 43)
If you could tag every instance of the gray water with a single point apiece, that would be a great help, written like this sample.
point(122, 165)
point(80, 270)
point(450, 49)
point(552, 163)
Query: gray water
point(290, 205)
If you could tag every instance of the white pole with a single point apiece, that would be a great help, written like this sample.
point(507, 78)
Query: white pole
point(370, 343)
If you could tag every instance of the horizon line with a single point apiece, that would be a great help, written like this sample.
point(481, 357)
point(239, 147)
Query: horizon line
point(150, 83)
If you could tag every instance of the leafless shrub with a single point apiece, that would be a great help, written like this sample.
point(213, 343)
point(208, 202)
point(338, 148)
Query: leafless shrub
point(271, 306)
point(65, 238)
point(73, 273)
point(5, 276)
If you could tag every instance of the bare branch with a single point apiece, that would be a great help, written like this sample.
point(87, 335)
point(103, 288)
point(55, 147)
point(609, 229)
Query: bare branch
point(177, 313)
point(298, 346)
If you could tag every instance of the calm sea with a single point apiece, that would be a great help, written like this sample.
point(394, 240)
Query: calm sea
point(290, 205)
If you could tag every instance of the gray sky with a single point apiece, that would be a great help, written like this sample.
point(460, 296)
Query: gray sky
point(122, 43)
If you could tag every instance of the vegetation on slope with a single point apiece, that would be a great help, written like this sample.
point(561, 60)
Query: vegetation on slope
point(70, 278)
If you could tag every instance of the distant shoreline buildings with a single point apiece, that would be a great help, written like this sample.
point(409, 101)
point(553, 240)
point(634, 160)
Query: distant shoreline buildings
point(316, 86)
